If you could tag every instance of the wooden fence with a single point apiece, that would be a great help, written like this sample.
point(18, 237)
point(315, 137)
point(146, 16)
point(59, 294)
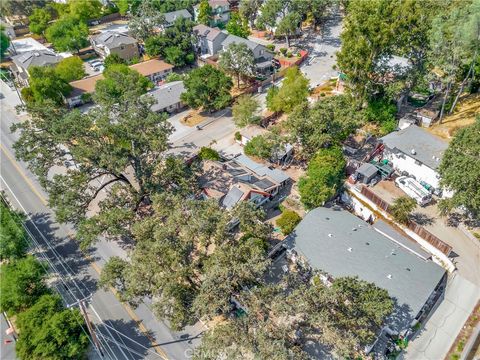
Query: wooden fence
point(412, 225)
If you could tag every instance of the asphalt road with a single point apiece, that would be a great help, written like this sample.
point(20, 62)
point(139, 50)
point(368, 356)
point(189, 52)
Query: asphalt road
point(124, 333)
point(7, 346)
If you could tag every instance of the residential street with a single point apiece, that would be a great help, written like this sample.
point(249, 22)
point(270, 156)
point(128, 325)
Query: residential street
point(322, 48)
point(105, 310)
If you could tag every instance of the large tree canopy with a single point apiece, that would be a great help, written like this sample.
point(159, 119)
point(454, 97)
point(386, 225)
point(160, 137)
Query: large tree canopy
point(188, 260)
point(376, 30)
point(39, 19)
point(144, 20)
point(328, 121)
point(207, 87)
point(70, 69)
point(115, 149)
point(67, 34)
point(22, 283)
point(48, 331)
point(238, 60)
point(120, 86)
point(174, 44)
point(278, 324)
point(293, 92)
point(46, 84)
point(460, 170)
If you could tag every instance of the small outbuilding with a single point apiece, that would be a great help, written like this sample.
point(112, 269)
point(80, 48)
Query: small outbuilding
point(366, 173)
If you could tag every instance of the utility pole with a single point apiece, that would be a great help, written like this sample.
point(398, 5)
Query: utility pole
point(90, 328)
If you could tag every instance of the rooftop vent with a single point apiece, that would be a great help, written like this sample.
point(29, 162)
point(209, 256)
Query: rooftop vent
point(413, 152)
point(408, 269)
point(389, 276)
point(367, 243)
point(36, 54)
point(349, 249)
point(327, 218)
point(330, 235)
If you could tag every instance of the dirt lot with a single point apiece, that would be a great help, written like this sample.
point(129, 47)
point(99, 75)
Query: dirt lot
point(466, 111)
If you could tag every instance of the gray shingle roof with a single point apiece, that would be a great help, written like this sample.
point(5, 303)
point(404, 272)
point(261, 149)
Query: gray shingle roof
point(233, 39)
point(209, 33)
point(167, 95)
point(112, 39)
point(341, 244)
point(427, 148)
point(170, 17)
point(36, 58)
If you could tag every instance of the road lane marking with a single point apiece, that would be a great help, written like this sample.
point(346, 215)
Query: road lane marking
point(21, 173)
point(95, 267)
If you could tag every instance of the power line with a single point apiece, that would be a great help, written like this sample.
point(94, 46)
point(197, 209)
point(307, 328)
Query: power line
point(55, 270)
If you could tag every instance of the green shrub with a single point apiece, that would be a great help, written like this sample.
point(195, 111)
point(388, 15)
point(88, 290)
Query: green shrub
point(270, 47)
point(288, 221)
point(13, 237)
point(382, 113)
point(289, 54)
point(238, 136)
point(173, 76)
point(283, 51)
point(324, 177)
point(322, 94)
point(259, 146)
point(207, 153)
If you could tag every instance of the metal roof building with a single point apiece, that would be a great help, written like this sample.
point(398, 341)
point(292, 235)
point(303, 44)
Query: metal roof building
point(339, 243)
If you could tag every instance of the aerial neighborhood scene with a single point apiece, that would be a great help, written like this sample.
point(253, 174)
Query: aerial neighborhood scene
point(240, 179)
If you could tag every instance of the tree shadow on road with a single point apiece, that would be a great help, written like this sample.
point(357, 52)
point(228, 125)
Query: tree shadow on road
point(63, 253)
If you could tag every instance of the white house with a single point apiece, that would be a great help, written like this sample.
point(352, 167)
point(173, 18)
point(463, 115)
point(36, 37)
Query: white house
point(415, 151)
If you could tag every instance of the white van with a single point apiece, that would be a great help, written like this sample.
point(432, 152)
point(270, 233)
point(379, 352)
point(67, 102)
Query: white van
point(414, 189)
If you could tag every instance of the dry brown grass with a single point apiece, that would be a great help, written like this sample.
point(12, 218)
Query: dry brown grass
point(466, 111)
point(194, 117)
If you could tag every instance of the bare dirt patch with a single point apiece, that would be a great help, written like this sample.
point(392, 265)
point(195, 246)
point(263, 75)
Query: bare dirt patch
point(467, 109)
point(194, 117)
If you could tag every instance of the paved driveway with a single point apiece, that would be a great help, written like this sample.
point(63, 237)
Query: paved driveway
point(435, 339)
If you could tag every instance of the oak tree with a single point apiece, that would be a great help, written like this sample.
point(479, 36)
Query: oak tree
point(238, 60)
point(460, 170)
point(208, 88)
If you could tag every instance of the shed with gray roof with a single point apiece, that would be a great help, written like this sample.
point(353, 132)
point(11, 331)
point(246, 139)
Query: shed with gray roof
point(337, 242)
